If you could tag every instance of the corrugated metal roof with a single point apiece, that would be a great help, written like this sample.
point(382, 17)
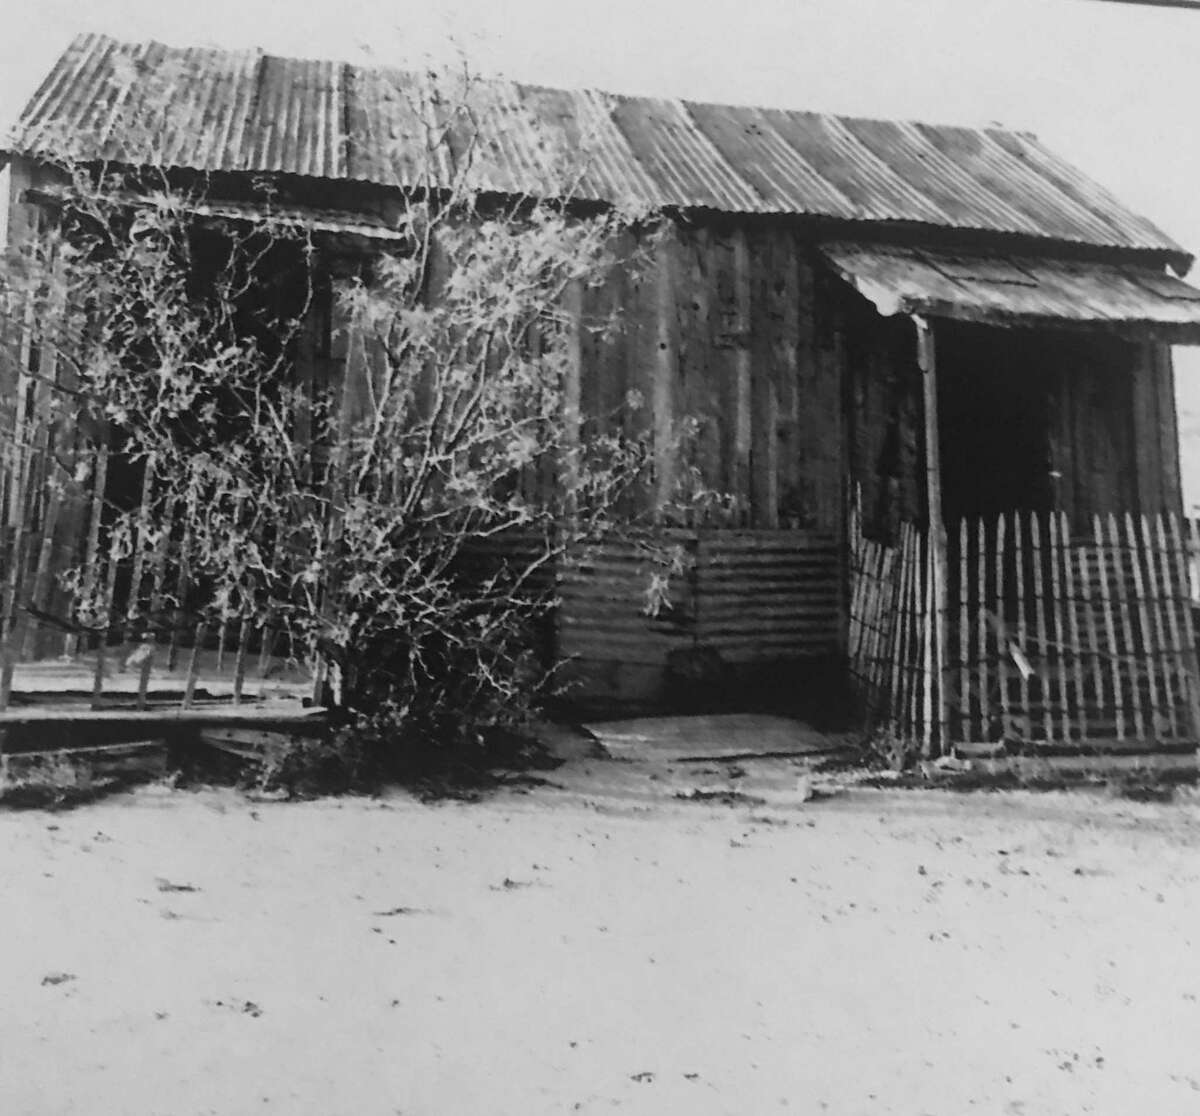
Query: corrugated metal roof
point(247, 111)
point(1016, 290)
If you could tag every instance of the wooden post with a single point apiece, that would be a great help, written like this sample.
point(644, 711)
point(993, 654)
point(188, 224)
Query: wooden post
point(741, 417)
point(929, 717)
point(572, 394)
point(665, 369)
point(927, 362)
point(1184, 540)
point(966, 718)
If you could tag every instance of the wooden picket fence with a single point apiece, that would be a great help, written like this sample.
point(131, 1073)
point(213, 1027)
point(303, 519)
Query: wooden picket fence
point(1049, 638)
point(890, 637)
point(50, 522)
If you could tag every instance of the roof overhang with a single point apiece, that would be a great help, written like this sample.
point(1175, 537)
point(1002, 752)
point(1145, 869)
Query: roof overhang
point(1021, 291)
point(335, 222)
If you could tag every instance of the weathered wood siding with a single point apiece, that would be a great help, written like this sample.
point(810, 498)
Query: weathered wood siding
point(1156, 431)
point(1113, 440)
point(882, 425)
point(719, 327)
point(1090, 390)
point(796, 385)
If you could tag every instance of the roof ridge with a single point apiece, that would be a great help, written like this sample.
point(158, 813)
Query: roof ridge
point(499, 76)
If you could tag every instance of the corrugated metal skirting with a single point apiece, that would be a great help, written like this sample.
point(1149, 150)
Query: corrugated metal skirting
point(752, 597)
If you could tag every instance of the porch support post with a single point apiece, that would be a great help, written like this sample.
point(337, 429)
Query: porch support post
point(936, 572)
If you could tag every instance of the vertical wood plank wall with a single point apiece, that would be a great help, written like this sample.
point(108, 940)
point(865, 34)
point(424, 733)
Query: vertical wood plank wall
point(795, 384)
point(1114, 441)
point(1156, 431)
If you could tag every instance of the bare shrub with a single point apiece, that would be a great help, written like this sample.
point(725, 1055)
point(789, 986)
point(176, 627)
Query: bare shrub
point(394, 525)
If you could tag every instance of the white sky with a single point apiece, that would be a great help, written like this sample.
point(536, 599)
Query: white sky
point(1115, 88)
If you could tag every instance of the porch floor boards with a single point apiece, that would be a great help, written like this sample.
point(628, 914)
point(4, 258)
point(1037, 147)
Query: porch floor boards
point(72, 680)
point(53, 702)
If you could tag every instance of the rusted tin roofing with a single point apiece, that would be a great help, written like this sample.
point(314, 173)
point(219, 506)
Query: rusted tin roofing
point(248, 111)
point(1020, 290)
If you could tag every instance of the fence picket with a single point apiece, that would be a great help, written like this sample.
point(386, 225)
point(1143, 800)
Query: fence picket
point(179, 611)
point(193, 667)
point(1148, 622)
point(1001, 639)
point(91, 554)
point(110, 589)
point(892, 645)
point(1039, 619)
point(1130, 658)
point(885, 621)
point(239, 664)
point(889, 636)
point(98, 673)
point(158, 566)
point(1089, 593)
point(900, 701)
point(1022, 630)
point(985, 713)
point(1186, 540)
point(913, 612)
point(42, 585)
point(1114, 653)
point(16, 558)
point(144, 670)
point(1118, 587)
point(1059, 610)
point(140, 530)
point(1176, 668)
point(1072, 604)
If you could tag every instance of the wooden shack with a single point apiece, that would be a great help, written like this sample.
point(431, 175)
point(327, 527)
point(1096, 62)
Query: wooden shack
point(881, 328)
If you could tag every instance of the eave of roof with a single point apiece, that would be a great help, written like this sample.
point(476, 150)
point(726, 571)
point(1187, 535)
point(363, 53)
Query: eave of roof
point(302, 217)
point(1011, 290)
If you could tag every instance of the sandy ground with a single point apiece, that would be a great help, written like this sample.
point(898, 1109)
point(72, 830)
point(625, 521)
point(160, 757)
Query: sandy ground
point(602, 944)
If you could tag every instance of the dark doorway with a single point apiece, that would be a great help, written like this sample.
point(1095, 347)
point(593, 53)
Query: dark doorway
point(994, 421)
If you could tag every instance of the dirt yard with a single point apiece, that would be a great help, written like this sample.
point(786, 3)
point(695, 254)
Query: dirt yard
point(603, 944)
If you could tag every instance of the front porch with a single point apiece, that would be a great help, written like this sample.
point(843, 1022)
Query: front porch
point(1043, 603)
